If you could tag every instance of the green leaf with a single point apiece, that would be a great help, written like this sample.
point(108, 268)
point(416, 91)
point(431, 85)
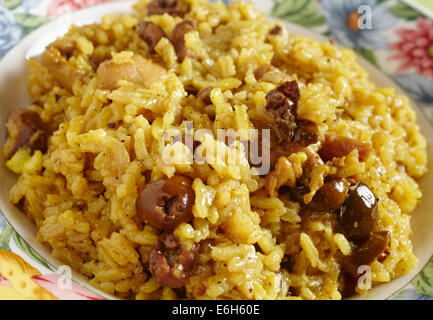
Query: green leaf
point(29, 21)
point(24, 246)
point(368, 55)
point(303, 12)
point(12, 4)
point(402, 10)
point(5, 237)
point(327, 33)
point(423, 282)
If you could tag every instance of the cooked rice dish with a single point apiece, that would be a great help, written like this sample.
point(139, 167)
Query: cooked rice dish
point(122, 188)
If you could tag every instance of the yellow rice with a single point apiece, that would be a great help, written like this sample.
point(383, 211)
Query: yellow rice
point(87, 215)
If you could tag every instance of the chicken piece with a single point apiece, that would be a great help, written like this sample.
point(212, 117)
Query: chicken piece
point(139, 70)
point(64, 72)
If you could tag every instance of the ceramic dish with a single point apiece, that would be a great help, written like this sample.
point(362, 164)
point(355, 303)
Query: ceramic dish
point(13, 94)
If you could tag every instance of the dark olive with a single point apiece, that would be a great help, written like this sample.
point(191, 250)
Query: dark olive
point(297, 193)
point(172, 7)
point(364, 255)
point(330, 196)
point(203, 95)
point(372, 249)
point(170, 264)
point(24, 129)
point(306, 133)
point(178, 39)
point(347, 285)
point(151, 33)
point(335, 146)
point(358, 214)
point(166, 203)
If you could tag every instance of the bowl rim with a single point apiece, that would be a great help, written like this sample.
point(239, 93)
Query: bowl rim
point(125, 7)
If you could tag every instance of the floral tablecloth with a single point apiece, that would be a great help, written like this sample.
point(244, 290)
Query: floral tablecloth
point(399, 42)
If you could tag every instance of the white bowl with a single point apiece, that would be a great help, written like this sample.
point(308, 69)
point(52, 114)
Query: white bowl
point(13, 94)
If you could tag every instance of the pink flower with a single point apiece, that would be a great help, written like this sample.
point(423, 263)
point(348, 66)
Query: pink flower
point(50, 282)
point(414, 50)
point(4, 282)
point(59, 7)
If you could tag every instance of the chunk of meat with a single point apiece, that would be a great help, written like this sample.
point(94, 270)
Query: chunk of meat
point(178, 39)
point(291, 91)
point(139, 70)
point(24, 129)
point(166, 203)
point(335, 146)
point(282, 103)
point(170, 264)
point(151, 33)
point(358, 214)
point(64, 72)
point(172, 7)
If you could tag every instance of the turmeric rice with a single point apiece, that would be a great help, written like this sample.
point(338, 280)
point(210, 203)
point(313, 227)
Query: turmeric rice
point(91, 156)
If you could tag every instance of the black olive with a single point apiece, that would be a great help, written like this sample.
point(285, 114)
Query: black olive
point(178, 39)
point(151, 33)
point(358, 214)
point(170, 264)
point(176, 8)
point(335, 146)
point(166, 203)
point(203, 95)
point(306, 133)
point(24, 129)
point(347, 285)
point(297, 193)
point(330, 196)
point(365, 254)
